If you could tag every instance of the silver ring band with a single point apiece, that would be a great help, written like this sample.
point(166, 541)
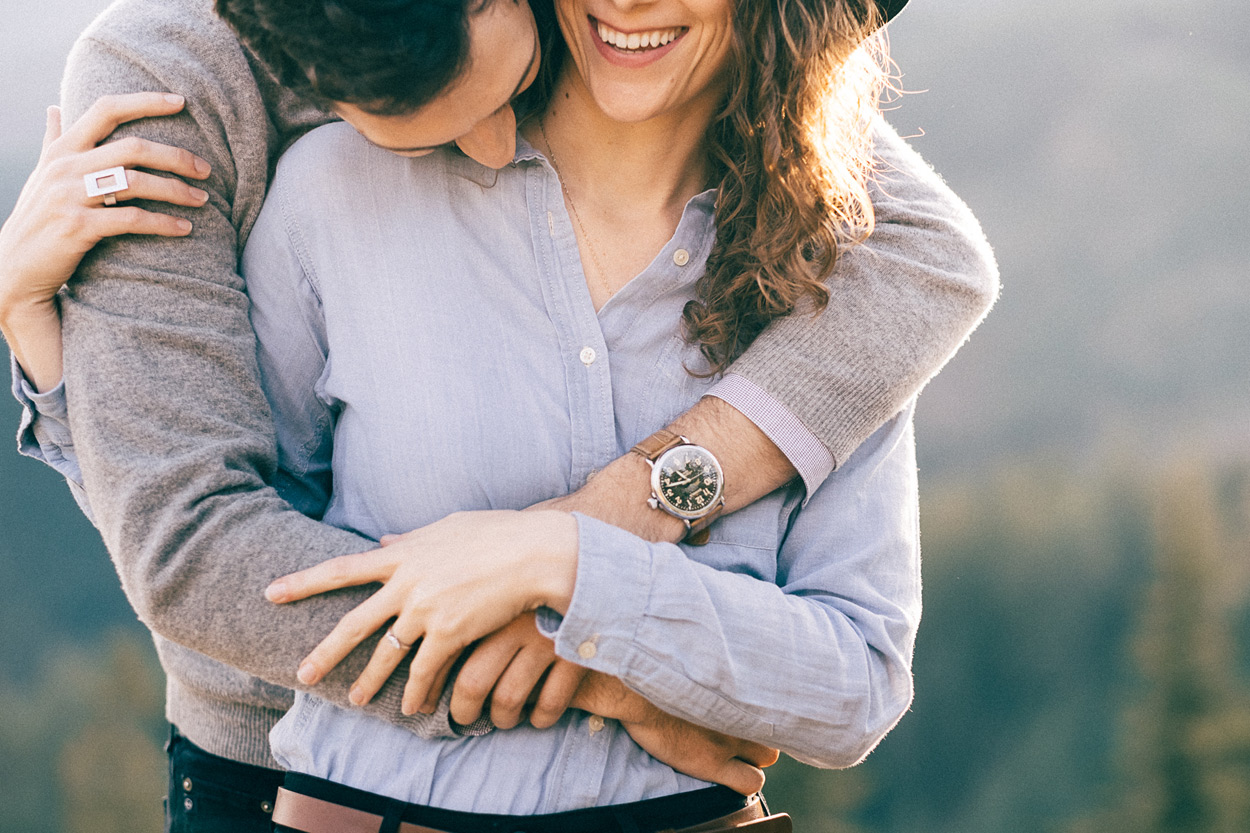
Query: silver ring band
point(396, 642)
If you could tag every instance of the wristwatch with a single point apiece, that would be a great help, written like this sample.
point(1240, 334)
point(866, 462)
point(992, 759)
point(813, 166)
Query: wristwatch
point(686, 482)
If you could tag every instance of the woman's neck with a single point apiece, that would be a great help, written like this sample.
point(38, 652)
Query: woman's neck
point(654, 165)
point(625, 184)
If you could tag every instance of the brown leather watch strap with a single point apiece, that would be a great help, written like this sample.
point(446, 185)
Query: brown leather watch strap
point(661, 441)
point(698, 529)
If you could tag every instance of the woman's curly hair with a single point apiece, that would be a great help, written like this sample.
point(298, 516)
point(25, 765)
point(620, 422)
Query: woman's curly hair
point(791, 151)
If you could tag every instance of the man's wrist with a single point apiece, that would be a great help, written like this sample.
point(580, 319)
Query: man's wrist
point(607, 696)
point(618, 495)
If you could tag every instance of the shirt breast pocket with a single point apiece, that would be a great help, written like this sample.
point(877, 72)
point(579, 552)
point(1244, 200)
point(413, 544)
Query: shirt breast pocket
point(749, 540)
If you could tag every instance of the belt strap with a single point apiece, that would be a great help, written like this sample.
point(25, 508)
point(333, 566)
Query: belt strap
point(316, 815)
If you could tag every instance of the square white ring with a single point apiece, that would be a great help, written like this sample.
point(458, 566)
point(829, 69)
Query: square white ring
point(118, 183)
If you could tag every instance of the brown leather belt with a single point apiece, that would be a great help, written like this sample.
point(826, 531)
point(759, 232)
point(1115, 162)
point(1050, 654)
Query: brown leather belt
point(315, 815)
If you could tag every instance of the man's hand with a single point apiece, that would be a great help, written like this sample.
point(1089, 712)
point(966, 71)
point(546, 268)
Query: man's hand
point(690, 749)
point(515, 666)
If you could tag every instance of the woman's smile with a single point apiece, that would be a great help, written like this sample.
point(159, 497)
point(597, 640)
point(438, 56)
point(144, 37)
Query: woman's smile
point(636, 41)
point(637, 48)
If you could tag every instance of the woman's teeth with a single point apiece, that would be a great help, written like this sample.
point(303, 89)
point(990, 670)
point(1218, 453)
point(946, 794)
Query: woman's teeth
point(638, 40)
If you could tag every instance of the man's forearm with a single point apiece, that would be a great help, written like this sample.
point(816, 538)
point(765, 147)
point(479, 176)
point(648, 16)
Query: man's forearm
point(752, 464)
point(900, 305)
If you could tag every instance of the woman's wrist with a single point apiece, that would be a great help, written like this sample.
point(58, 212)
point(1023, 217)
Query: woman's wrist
point(32, 328)
point(555, 558)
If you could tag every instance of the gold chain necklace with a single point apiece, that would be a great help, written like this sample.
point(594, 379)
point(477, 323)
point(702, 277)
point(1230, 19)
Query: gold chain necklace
point(602, 273)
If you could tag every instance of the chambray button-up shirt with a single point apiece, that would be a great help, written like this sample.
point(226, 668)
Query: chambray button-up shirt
point(429, 345)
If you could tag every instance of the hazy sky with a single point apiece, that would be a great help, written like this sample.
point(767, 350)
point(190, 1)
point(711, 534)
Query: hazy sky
point(33, 45)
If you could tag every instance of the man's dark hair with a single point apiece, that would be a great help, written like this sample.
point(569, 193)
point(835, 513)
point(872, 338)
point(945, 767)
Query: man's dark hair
point(385, 56)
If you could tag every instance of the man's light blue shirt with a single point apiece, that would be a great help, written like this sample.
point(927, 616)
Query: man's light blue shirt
point(428, 344)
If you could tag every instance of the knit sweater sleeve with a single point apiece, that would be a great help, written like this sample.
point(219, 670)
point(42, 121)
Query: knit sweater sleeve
point(900, 305)
point(171, 428)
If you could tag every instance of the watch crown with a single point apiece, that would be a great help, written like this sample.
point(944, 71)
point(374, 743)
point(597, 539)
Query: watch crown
point(653, 503)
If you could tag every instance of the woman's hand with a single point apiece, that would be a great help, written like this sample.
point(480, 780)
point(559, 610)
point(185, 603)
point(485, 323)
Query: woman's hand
point(445, 585)
point(55, 222)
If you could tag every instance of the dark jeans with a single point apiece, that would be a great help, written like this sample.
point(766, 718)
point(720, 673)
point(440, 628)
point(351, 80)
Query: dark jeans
point(210, 794)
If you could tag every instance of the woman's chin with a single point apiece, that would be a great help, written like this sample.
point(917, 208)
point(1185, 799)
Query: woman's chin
point(630, 105)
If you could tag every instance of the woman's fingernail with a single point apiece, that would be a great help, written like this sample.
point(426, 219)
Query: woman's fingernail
point(307, 673)
point(184, 226)
point(200, 195)
point(275, 592)
point(174, 98)
point(356, 696)
point(202, 168)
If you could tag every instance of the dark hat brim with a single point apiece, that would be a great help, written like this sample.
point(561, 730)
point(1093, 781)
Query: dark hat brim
point(890, 8)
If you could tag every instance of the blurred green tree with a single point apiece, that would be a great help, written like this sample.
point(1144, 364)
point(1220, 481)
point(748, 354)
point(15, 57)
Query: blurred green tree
point(1184, 753)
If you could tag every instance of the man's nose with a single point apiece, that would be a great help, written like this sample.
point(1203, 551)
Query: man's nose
point(492, 141)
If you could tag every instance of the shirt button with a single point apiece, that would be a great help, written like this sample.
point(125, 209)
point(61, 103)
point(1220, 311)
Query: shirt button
point(681, 257)
point(596, 724)
point(587, 650)
point(186, 784)
point(266, 806)
point(188, 804)
point(587, 356)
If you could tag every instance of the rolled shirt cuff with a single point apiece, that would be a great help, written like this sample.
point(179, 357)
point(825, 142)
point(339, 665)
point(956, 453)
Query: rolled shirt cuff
point(806, 453)
point(610, 598)
point(48, 408)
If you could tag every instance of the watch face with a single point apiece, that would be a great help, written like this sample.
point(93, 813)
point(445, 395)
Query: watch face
point(688, 481)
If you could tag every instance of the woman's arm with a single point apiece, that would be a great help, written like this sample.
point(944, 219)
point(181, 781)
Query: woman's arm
point(169, 423)
point(55, 222)
point(814, 659)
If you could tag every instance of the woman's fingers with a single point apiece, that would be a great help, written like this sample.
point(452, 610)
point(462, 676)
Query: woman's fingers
point(432, 655)
point(436, 691)
point(145, 186)
point(344, 571)
point(563, 680)
point(52, 130)
point(363, 621)
point(391, 650)
point(133, 152)
point(132, 220)
point(112, 111)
